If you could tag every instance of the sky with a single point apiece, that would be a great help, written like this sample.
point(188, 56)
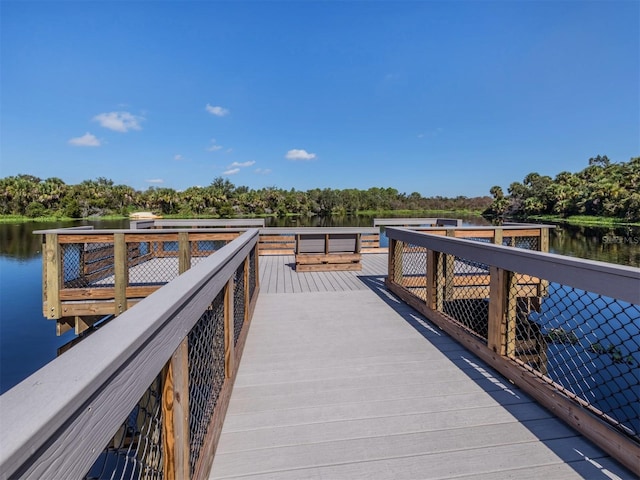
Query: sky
point(440, 98)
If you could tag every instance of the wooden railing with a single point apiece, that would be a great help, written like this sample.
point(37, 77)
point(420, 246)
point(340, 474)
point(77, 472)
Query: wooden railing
point(88, 274)
point(145, 395)
point(565, 330)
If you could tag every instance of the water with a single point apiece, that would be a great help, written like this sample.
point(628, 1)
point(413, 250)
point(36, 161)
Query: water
point(28, 341)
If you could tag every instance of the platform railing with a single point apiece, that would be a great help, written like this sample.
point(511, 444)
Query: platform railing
point(566, 330)
point(145, 395)
point(88, 274)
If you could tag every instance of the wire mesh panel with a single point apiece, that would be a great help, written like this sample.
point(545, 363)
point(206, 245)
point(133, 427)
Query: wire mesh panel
point(412, 273)
point(152, 265)
point(135, 451)
point(527, 243)
point(593, 350)
point(238, 303)
point(463, 292)
point(87, 265)
point(206, 373)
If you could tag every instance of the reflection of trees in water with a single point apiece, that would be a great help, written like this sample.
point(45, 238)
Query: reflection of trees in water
point(614, 245)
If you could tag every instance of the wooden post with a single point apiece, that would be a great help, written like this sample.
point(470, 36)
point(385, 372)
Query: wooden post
point(544, 239)
point(247, 298)
point(432, 279)
point(229, 344)
point(497, 236)
point(440, 280)
point(121, 272)
point(184, 252)
point(256, 256)
point(498, 293)
point(175, 415)
point(398, 248)
point(52, 257)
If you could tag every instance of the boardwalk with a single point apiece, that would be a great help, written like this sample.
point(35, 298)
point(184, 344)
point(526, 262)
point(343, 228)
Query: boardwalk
point(339, 380)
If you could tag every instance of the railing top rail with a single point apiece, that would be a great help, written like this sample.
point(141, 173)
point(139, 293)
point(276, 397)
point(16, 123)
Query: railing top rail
point(323, 230)
point(415, 221)
point(245, 222)
point(615, 281)
point(165, 231)
point(510, 226)
point(68, 398)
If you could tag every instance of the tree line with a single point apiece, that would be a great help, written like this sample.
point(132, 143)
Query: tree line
point(30, 196)
point(603, 189)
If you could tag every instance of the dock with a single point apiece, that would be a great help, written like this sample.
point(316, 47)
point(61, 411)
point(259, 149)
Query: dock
point(340, 380)
point(207, 353)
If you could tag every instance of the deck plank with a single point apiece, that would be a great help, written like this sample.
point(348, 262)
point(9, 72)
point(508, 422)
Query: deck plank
point(341, 380)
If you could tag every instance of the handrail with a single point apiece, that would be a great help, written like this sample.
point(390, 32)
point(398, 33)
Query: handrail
point(558, 327)
point(56, 422)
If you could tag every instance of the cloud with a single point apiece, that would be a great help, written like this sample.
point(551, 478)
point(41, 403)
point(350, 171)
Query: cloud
point(243, 164)
point(119, 121)
point(231, 171)
point(214, 146)
point(178, 157)
point(262, 171)
point(299, 154)
point(87, 140)
point(155, 180)
point(217, 111)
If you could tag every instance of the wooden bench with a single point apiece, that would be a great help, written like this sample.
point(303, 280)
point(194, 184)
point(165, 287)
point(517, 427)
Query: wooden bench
point(321, 252)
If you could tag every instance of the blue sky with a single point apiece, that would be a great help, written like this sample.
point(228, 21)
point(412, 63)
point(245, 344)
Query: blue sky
point(440, 98)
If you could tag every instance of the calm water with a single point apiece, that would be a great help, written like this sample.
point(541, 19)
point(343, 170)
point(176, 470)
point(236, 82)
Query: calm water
point(28, 340)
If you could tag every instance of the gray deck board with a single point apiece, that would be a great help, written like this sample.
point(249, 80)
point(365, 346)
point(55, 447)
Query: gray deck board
point(336, 382)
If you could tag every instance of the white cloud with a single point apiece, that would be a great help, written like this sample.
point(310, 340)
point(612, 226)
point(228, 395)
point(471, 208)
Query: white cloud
point(87, 140)
point(243, 164)
point(231, 171)
point(178, 157)
point(155, 180)
point(214, 146)
point(299, 154)
point(262, 171)
point(216, 110)
point(119, 121)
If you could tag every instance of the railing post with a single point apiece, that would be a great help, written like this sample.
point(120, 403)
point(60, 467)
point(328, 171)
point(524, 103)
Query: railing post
point(498, 298)
point(544, 239)
point(52, 257)
point(432, 279)
point(229, 343)
point(497, 236)
point(395, 261)
point(449, 269)
point(175, 393)
point(184, 252)
point(247, 298)
point(121, 272)
point(256, 257)
point(175, 415)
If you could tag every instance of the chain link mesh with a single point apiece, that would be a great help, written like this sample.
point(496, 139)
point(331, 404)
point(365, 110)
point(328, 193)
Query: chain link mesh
point(584, 342)
point(238, 303)
point(592, 350)
point(206, 373)
point(87, 264)
point(463, 292)
point(135, 451)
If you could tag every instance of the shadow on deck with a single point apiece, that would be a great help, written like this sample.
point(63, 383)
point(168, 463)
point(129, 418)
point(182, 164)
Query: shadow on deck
point(347, 381)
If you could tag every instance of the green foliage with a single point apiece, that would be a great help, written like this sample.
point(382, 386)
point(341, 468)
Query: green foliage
point(560, 335)
point(26, 195)
point(602, 189)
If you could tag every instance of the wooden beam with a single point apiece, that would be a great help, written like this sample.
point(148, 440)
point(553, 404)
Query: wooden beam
point(121, 272)
point(496, 337)
point(184, 252)
point(52, 256)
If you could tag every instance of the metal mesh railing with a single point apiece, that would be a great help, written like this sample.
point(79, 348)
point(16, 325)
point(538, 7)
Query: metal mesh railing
point(528, 243)
point(206, 373)
point(580, 342)
point(592, 350)
point(135, 451)
point(238, 303)
point(87, 265)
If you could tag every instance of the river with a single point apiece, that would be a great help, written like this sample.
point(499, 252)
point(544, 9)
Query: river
point(28, 340)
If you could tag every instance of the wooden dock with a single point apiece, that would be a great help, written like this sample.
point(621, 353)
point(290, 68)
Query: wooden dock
point(340, 380)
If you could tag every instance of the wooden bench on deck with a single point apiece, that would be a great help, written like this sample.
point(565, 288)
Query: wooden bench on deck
point(320, 252)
